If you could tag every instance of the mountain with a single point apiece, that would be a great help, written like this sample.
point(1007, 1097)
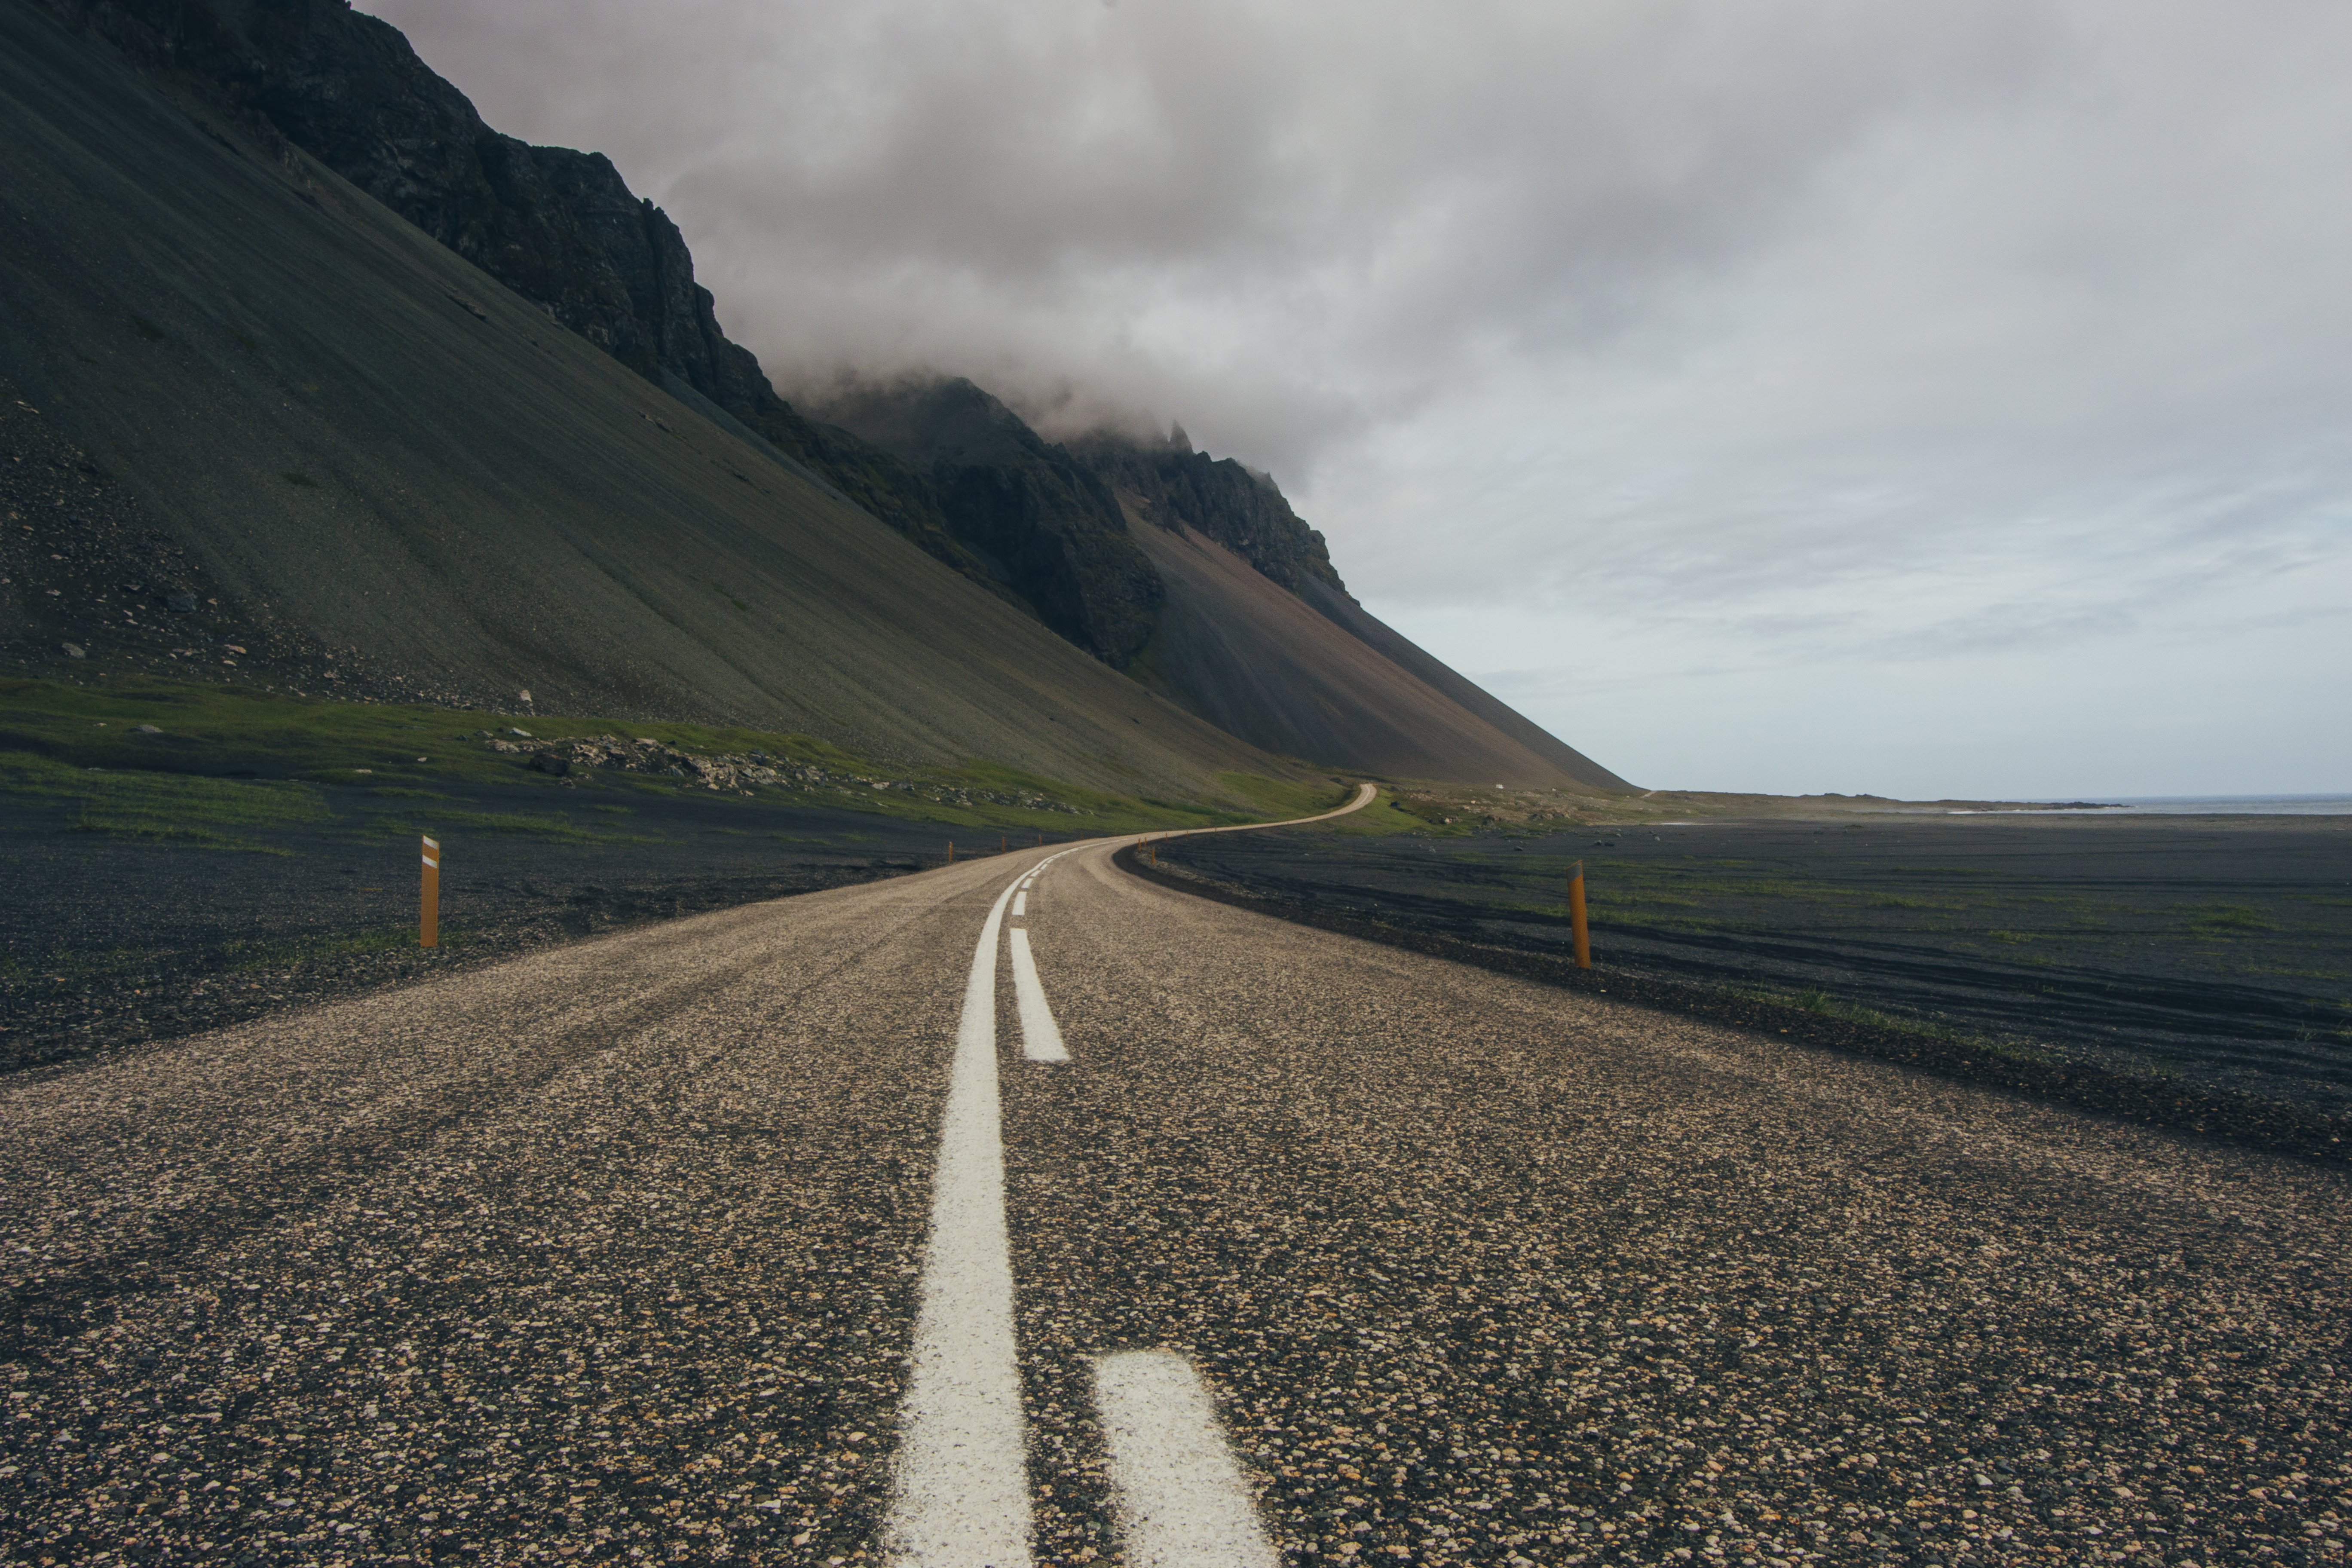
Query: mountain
point(1244, 621)
point(236, 376)
point(337, 108)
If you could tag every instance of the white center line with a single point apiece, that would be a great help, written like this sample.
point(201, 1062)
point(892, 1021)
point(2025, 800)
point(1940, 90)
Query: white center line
point(962, 1493)
point(1041, 1038)
point(1182, 1502)
point(1021, 902)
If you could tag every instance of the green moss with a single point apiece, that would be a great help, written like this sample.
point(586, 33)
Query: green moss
point(560, 829)
point(217, 729)
point(162, 807)
point(1827, 1005)
point(250, 956)
point(2226, 921)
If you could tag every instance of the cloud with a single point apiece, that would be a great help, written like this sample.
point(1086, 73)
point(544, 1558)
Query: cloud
point(1803, 335)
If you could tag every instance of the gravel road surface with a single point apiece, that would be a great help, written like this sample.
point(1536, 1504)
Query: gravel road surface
point(615, 1253)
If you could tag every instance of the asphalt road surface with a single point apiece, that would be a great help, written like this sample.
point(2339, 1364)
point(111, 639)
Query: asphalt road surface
point(1310, 1250)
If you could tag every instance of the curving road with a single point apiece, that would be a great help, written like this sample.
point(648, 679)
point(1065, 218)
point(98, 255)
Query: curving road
point(1300, 1250)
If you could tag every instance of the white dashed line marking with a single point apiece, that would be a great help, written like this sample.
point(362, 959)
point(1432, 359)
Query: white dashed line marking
point(1182, 1502)
point(1041, 1038)
point(1021, 902)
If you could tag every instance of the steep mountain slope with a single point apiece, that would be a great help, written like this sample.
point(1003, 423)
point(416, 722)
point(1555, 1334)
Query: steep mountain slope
point(1247, 660)
point(1342, 611)
point(1264, 664)
point(348, 431)
point(558, 226)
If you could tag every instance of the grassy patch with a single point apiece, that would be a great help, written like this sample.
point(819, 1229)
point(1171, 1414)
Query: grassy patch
point(219, 729)
point(2226, 921)
point(1822, 1003)
point(163, 830)
point(251, 955)
point(162, 807)
point(448, 825)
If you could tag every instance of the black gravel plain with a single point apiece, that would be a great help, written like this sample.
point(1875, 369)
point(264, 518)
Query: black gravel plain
point(2207, 952)
point(109, 943)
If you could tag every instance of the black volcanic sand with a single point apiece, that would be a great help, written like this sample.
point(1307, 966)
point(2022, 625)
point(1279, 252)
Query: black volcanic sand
point(2214, 949)
point(110, 941)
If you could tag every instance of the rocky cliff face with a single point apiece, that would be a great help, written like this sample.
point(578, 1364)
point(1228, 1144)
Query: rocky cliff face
point(1221, 498)
point(1032, 515)
point(559, 228)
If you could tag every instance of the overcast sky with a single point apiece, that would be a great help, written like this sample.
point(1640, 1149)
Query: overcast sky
point(1944, 397)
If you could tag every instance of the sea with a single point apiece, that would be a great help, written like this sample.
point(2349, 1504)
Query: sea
point(2195, 805)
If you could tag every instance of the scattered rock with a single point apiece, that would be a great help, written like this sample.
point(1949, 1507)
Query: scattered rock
point(549, 763)
point(179, 602)
point(145, 730)
point(74, 650)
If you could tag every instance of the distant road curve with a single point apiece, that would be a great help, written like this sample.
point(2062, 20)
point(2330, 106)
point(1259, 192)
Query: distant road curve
point(625, 1251)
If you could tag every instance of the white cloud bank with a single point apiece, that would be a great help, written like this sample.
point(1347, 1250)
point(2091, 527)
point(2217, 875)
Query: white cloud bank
point(1946, 398)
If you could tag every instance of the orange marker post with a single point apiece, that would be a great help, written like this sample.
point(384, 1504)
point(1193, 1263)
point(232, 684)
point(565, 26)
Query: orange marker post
point(999, 843)
point(429, 909)
point(951, 851)
point(1576, 916)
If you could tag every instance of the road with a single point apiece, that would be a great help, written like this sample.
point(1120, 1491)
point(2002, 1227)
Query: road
point(1310, 1250)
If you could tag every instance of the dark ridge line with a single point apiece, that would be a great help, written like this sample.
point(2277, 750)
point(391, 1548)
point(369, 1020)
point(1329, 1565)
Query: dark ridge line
point(2240, 1120)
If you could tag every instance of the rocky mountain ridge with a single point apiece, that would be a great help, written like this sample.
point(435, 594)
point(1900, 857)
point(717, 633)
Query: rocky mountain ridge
point(1032, 514)
point(1217, 496)
point(559, 228)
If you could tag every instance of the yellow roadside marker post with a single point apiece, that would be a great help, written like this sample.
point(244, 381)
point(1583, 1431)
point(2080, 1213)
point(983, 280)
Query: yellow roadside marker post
point(1576, 915)
point(951, 851)
point(999, 843)
point(429, 910)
